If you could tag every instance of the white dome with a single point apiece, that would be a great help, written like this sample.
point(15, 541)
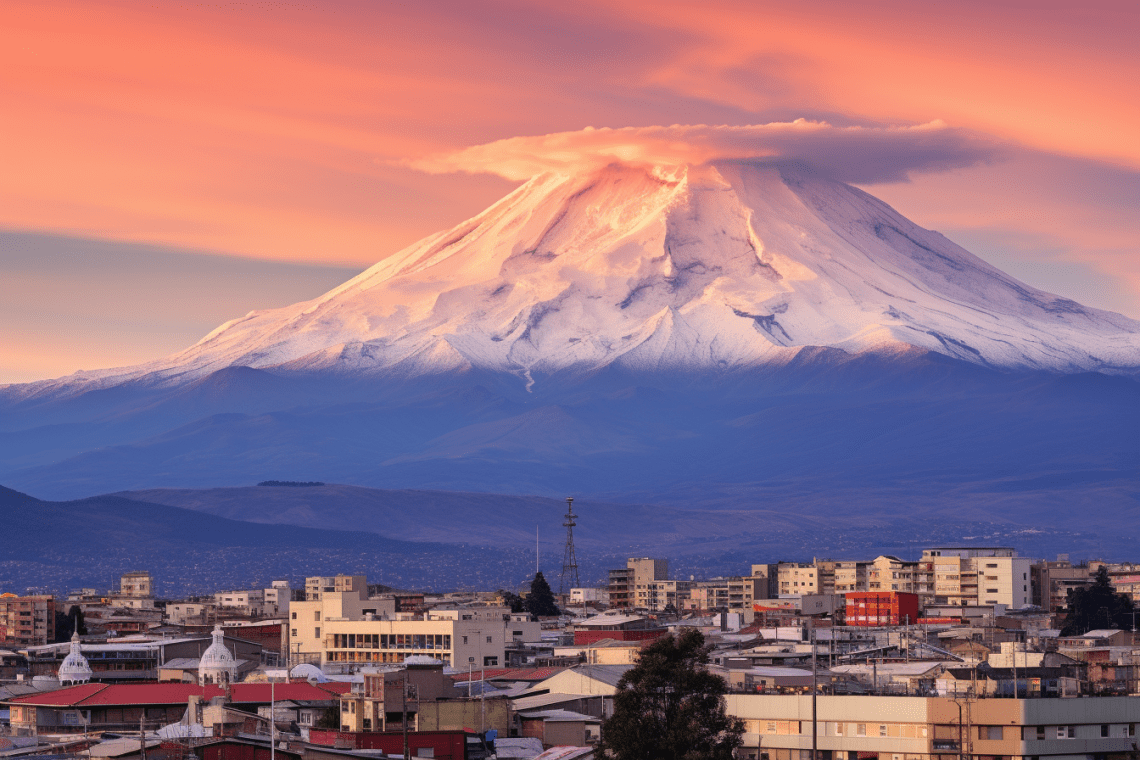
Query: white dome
point(217, 664)
point(309, 672)
point(75, 668)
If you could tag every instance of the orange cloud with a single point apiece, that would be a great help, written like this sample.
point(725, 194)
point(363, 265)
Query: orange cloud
point(850, 154)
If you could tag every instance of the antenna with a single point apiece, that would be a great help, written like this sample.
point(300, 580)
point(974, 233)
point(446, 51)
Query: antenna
point(569, 561)
point(536, 551)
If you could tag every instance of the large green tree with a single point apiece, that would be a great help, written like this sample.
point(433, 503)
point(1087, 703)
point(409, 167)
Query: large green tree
point(1097, 606)
point(540, 601)
point(670, 707)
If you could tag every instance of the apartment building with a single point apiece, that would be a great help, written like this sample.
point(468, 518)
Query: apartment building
point(277, 598)
point(744, 590)
point(706, 595)
point(797, 578)
point(317, 585)
point(26, 620)
point(138, 584)
point(889, 573)
point(849, 576)
point(970, 576)
point(779, 727)
point(661, 595)
point(648, 572)
point(771, 574)
point(464, 639)
point(1051, 581)
point(620, 588)
point(249, 602)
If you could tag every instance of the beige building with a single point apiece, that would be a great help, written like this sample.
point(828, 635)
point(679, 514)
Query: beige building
point(980, 576)
point(26, 620)
point(648, 574)
point(743, 591)
point(136, 584)
point(849, 576)
point(779, 727)
point(798, 578)
point(348, 628)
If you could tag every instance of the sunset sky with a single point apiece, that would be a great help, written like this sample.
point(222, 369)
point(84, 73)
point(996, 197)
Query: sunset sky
point(167, 166)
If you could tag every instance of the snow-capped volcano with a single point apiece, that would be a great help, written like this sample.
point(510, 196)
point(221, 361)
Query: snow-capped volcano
point(722, 266)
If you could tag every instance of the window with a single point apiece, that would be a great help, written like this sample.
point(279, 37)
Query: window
point(839, 729)
point(464, 639)
point(316, 633)
point(488, 639)
point(293, 633)
point(1040, 733)
point(1103, 730)
point(294, 615)
point(490, 662)
point(882, 729)
point(860, 729)
point(316, 614)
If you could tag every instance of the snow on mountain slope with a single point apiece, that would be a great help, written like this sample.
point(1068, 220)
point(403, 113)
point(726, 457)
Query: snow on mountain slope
point(715, 267)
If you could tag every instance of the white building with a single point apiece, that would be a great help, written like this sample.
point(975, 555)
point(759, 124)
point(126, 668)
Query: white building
point(969, 576)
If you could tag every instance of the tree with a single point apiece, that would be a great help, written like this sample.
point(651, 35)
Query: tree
point(67, 624)
point(1097, 606)
point(540, 600)
point(669, 707)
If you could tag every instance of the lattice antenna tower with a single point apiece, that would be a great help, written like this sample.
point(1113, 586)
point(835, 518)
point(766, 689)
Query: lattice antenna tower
point(569, 560)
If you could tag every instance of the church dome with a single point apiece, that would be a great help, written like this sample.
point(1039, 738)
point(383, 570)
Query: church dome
point(217, 664)
point(75, 668)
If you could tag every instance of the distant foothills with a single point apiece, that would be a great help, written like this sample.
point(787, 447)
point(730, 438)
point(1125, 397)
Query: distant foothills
point(195, 540)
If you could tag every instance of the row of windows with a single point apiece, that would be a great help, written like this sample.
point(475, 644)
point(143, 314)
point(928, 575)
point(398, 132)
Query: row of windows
point(391, 641)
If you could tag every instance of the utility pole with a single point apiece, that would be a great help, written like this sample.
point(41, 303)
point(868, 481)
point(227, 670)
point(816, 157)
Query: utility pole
point(814, 683)
point(142, 739)
point(404, 708)
point(569, 560)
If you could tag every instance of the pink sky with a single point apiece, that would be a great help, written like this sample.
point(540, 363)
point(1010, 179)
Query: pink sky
point(281, 131)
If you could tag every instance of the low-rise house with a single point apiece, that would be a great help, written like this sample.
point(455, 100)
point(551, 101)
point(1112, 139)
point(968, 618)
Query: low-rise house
point(561, 728)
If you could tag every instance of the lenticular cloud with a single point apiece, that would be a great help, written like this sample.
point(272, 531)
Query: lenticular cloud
point(849, 154)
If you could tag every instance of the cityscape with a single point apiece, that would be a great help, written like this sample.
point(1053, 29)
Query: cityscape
point(594, 380)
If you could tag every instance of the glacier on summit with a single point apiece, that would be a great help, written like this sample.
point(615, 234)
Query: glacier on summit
point(713, 268)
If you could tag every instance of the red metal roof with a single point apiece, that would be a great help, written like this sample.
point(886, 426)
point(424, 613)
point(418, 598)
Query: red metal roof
point(508, 674)
point(61, 697)
point(97, 694)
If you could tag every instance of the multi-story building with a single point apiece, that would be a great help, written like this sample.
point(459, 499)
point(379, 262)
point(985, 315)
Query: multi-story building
point(744, 590)
point(979, 576)
point(779, 727)
point(317, 585)
point(1051, 581)
point(1125, 578)
point(138, 584)
point(249, 602)
point(771, 574)
point(277, 598)
point(662, 594)
point(889, 573)
point(706, 595)
point(849, 576)
point(798, 578)
point(465, 638)
point(620, 588)
point(647, 571)
point(26, 620)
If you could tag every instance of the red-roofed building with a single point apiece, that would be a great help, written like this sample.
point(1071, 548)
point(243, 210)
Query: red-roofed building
point(122, 706)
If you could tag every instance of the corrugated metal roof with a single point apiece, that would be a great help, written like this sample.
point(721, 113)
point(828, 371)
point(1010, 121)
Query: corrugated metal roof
point(89, 695)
